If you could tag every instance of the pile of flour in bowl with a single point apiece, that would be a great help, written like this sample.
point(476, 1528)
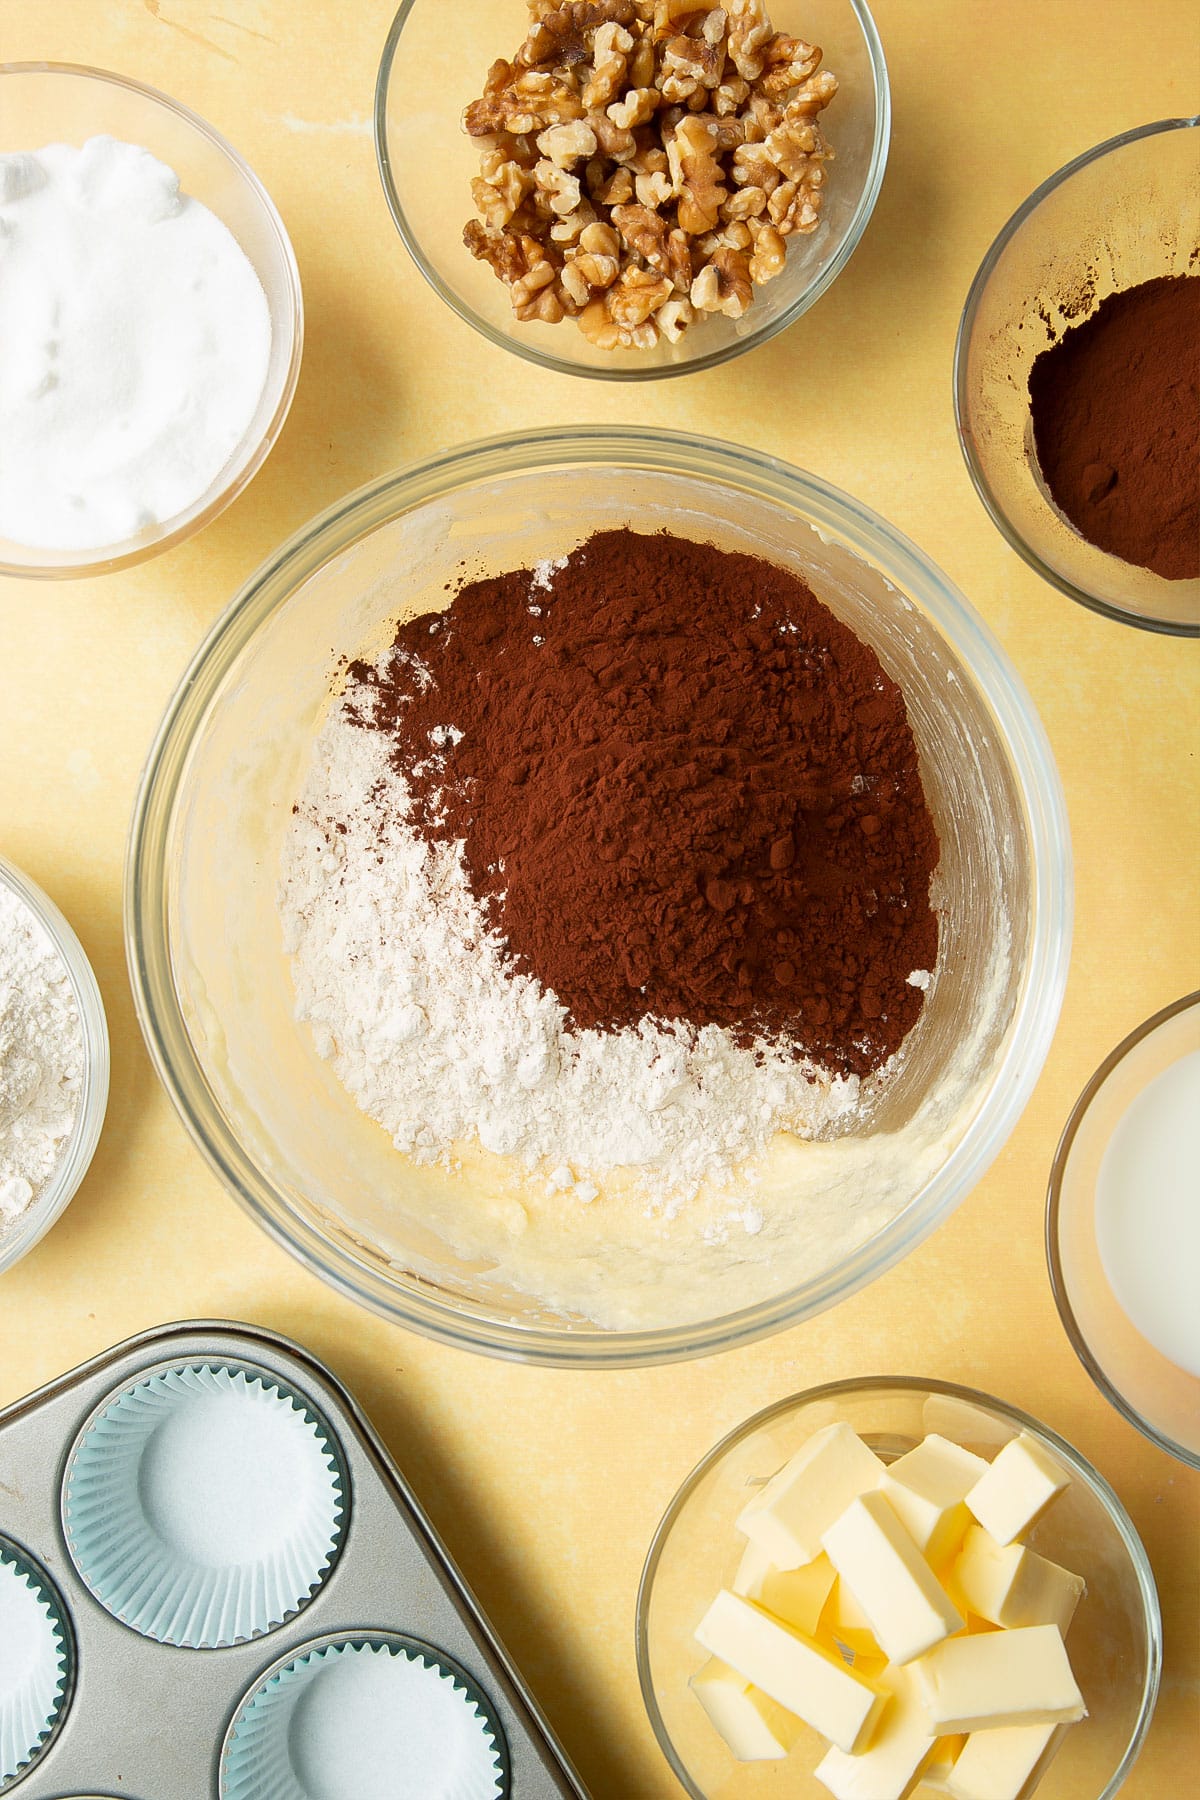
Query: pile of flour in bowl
point(41, 1058)
point(413, 998)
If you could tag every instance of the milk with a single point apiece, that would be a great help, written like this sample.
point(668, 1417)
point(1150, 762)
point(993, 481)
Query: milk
point(1148, 1212)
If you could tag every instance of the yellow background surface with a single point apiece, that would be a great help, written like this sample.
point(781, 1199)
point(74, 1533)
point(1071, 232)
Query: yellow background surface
point(548, 1485)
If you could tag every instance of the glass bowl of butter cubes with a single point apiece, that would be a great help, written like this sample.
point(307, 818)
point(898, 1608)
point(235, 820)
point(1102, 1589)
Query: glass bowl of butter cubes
point(892, 1587)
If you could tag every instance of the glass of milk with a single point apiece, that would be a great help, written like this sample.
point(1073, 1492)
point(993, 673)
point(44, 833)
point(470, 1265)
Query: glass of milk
point(1123, 1228)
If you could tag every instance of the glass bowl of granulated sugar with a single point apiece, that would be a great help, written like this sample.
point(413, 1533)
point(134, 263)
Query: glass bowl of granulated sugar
point(344, 1026)
point(1075, 379)
point(151, 321)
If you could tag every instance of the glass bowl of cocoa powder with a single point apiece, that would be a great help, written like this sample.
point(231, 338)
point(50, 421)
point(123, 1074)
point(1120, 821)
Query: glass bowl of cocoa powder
point(429, 75)
point(1076, 379)
point(465, 1238)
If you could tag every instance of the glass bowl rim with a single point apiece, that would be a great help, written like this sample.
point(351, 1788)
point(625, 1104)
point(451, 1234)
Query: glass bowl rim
point(676, 454)
point(1058, 1280)
point(84, 1136)
point(890, 1384)
point(860, 219)
point(962, 405)
point(190, 522)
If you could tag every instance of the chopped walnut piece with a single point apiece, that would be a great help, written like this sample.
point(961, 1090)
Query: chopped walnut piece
point(527, 104)
point(600, 328)
point(697, 175)
point(768, 257)
point(499, 191)
point(654, 189)
point(639, 105)
point(610, 48)
point(691, 66)
point(560, 188)
point(567, 144)
point(613, 140)
point(636, 295)
point(787, 63)
point(750, 31)
point(617, 190)
point(570, 230)
point(644, 162)
point(723, 285)
point(744, 203)
point(674, 316)
point(731, 95)
point(663, 249)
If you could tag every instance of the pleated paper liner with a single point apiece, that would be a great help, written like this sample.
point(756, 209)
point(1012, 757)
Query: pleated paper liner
point(206, 1505)
point(366, 1716)
point(35, 1661)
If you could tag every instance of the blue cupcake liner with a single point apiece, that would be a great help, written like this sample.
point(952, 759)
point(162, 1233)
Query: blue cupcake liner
point(366, 1716)
point(35, 1661)
point(205, 1505)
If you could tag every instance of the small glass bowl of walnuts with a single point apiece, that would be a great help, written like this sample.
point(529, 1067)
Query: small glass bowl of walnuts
point(632, 188)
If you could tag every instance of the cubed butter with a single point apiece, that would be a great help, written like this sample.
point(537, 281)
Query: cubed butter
point(1017, 1488)
point(788, 1517)
point(889, 1768)
point(795, 1672)
point(939, 1766)
point(752, 1724)
point(845, 1620)
point(796, 1596)
point(928, 1488)
point(906, 1607)
point(1010, 1584)
point(998, 1765)
point(992, 1679)
point(755, 1564)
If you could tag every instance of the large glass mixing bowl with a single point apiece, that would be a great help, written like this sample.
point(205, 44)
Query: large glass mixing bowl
point(213, 985)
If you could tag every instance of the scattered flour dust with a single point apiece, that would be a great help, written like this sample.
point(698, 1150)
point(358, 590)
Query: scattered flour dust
point(41, 1057)
point(414, 998)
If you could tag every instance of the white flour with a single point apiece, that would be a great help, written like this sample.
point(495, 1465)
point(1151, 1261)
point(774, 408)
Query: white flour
point(134, 343)
point(41, 1057)
point(437, 1038)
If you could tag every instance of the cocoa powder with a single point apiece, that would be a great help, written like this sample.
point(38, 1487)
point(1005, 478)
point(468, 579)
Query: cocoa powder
point(1116, 423)
point(684, 789)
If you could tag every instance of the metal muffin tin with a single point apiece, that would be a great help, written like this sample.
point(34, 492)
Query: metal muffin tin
point(150, 1720)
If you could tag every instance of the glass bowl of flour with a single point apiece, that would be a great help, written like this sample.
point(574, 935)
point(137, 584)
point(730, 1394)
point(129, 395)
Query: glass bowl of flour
point(325, 1132)
point(150, 321)
point(54, 1064)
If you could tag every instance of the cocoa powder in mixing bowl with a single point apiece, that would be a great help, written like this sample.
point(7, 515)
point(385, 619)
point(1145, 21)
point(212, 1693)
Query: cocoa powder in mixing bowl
point(685, 790)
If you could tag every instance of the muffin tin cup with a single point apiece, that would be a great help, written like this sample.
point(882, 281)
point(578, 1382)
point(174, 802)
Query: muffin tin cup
point(139, 1717)
point(205, 1505)
point(35, 1662)
point(376, 1715)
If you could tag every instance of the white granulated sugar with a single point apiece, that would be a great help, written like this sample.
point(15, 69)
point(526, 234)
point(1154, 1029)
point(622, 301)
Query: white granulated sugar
point(135, 339)
point(41, 1057)
point(415, 1000)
